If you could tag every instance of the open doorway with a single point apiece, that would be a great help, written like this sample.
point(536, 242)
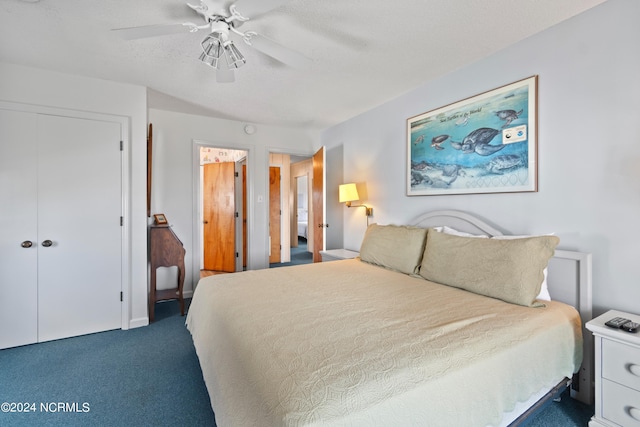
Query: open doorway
point(293, 198)
point(301, 252)
point(301, 210)
point(222, 213)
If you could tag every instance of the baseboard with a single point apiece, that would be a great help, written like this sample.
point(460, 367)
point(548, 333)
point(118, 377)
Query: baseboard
point(139, 322)
point(144, 321)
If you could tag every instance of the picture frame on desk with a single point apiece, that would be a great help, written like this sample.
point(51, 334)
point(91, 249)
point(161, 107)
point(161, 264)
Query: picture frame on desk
point(160, 219)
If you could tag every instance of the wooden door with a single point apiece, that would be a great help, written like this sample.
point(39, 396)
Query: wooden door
point(219, 217)
point(317, 198)
point(79, 212)
point(275, 214)
point(18, 224)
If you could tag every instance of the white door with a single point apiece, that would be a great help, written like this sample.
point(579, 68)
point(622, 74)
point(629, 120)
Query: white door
point(79, 210)
point(18, 224)
point(60, 181)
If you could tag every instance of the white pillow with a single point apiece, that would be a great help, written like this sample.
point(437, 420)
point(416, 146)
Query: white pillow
point(544, 288)
point(448, 230)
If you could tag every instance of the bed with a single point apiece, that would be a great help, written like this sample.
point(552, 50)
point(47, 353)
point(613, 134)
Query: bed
point(303, 224)
point(380, 340)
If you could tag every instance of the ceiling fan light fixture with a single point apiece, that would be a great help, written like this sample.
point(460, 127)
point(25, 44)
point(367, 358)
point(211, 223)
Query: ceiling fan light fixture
point(220, 20)
point(212, 45)
point(211, 61)
point(235, 59)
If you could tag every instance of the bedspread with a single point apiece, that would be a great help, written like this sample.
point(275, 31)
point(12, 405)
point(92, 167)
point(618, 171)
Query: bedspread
point(348, 343)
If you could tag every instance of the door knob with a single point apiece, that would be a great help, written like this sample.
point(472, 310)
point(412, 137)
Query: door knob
point(47, 243)
point(26, 244)
point(205, 222)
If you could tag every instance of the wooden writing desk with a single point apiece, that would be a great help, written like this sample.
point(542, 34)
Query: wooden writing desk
point(166, 251)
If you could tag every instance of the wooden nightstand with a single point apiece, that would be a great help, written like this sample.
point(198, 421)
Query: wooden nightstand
point(617, 359)
point(336, 254)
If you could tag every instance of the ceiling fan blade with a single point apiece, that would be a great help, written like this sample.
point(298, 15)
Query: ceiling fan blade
point(254, 8)
point(216, 7)
point(225, 75)
point(133, 33)
point(279, 52)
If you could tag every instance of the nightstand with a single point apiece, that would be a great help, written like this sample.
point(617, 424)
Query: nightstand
point(617, 359)
point(336, 254)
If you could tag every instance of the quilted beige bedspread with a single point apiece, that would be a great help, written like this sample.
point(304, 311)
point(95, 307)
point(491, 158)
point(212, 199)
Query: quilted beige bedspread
point(345, 343)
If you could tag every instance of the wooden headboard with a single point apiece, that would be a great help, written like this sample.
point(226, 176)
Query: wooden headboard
point(569, 281)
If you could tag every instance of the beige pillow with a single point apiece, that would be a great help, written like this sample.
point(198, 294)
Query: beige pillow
point(510, 270)
point(395, 247)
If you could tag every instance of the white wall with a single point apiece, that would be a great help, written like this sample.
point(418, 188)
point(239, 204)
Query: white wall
point(174, 135)
point(588, 146)
point(26, 85)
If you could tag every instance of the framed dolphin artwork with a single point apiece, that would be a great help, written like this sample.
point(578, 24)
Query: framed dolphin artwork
point(483, 144)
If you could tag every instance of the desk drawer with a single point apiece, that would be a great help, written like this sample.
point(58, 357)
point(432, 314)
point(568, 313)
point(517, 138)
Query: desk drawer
point(621, 363)
point(620, 404)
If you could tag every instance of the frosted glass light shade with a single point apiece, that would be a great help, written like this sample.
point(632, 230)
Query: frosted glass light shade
point(211, 61)
point(211, 50)
point(234, 58)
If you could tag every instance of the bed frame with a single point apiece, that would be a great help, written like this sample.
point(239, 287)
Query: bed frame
point(569, 281)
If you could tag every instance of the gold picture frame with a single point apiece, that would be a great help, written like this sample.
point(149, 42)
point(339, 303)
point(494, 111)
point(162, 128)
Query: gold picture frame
point(160, 219)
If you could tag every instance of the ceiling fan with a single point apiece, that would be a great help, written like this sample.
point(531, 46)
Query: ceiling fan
point(221, 21)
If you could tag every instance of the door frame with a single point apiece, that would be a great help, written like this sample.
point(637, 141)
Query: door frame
point(196, 144)
point(285, 222)
point(240, 208)
point(125, 175)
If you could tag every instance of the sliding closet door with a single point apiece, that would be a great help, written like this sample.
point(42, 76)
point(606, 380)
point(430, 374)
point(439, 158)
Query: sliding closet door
point(18, 229)
point(79, 231)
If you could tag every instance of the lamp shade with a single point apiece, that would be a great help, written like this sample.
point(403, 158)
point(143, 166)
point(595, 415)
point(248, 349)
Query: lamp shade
point(234, 58)
point(348, 193)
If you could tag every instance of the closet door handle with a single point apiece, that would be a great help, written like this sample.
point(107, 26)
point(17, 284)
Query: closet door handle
point(47, 243)
point(26, 244)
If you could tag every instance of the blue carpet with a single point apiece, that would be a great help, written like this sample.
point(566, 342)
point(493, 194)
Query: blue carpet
point(299, 255)
point(147, 376)
point(567, 412)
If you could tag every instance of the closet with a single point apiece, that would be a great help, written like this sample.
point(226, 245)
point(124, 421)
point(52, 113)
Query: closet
point(61, 237)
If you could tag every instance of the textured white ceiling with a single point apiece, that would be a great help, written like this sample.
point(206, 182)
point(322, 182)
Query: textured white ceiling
point(364, 52)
